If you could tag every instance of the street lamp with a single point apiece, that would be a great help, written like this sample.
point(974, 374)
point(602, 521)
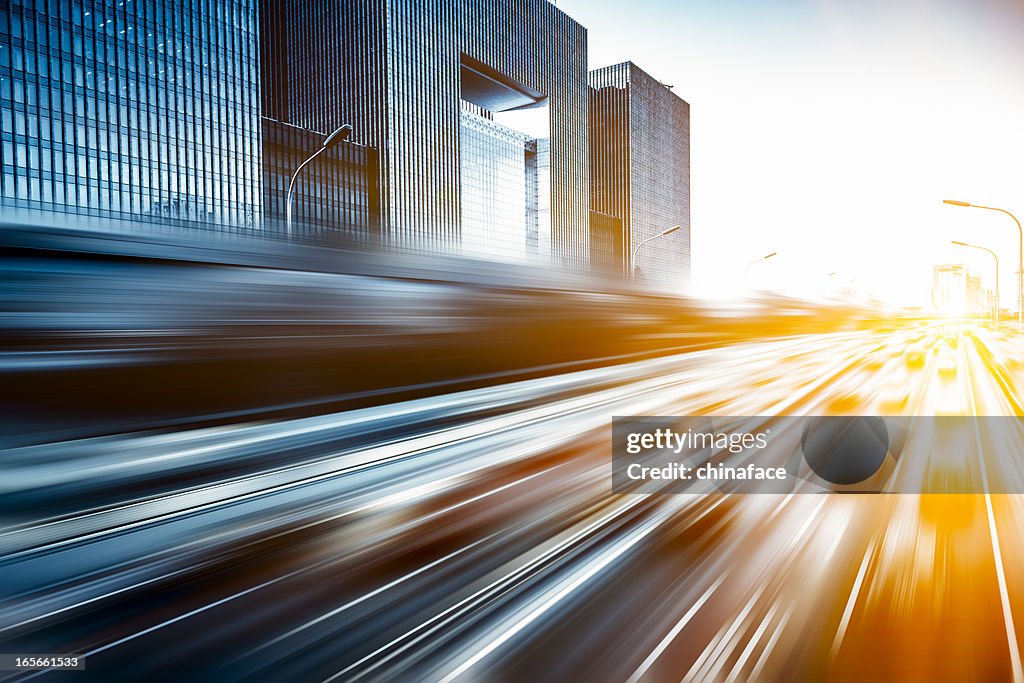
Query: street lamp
point(758, 260)
point(632, 258)
point(1020, 253)
point(330, 142)
point(975, 246)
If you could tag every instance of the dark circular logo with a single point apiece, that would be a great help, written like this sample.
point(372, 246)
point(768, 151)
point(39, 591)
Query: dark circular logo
point(845, 450)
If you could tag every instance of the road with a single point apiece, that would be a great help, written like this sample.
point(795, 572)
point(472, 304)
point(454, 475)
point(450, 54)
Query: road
point(473, 536)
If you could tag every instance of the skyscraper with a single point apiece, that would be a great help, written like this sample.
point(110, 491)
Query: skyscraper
point(498, 190)
point(640, 169)
point(132, 109)
point(400, 73)
point(956, 290)
point(606, 256)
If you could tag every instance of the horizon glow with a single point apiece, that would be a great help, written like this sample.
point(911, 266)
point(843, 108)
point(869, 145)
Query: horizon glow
point(830, 132)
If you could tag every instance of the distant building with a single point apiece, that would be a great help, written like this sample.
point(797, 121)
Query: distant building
point(956, 290)
point(640, 169)
point(401, 73)
point(132, 110)
point(976, 300)
point(498, 186)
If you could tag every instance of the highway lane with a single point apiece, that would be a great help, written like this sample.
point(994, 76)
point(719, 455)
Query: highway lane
point(473, 535)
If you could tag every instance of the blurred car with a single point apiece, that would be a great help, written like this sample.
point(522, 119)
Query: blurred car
point(845, 403)
point(893, 398)
point(947, 364)
point(915, 358)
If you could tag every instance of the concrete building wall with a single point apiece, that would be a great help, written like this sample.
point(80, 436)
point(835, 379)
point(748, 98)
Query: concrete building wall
point(393, 70)
point(640, 168)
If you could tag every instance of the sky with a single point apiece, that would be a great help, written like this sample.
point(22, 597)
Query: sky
point(830, 131)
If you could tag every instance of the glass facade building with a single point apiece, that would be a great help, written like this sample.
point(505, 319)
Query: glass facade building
point(399, 70)
point(605, 244)
point(640, 168)
point(498, 175)
point(957, 290)
point(132, 108)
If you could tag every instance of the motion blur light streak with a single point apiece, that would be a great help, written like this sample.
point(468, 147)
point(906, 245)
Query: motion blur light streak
point(442, 426)
point(467, 531)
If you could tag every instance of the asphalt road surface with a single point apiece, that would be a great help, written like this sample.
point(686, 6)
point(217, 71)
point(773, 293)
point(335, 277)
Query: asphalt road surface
point(474, 536)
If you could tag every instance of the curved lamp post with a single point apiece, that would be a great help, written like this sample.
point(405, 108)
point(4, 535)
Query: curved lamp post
point(331, 141)
point(632, 257)
point(1020, 252)
point(758, 260)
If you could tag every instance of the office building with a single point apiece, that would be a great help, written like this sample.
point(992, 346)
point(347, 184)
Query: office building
point(956, 290)
point(132, 109)
point(402, 74)
point(640, 170)
point(198, 113)
point(505, 181)
point(498, 190)
point(606, 244)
